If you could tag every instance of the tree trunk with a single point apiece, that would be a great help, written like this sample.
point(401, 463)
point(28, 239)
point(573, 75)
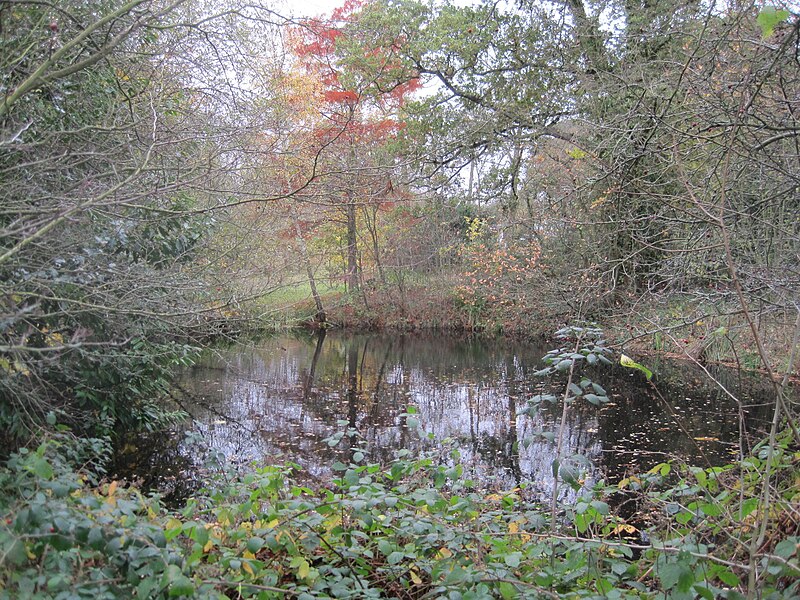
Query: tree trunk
point(352, 247)
point(321, 315)
point(372, 225)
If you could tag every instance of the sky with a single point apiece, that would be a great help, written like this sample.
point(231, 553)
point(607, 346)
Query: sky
point(312, 8)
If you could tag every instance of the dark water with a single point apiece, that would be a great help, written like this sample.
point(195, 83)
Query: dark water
point(280, 399)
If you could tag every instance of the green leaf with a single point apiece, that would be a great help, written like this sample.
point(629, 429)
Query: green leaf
point(385, 547)
point(748, 506)
point(507, 590)
point(182, 586)
point(600, 507)
point(704, 592)
point(686, 579)
point(595, 399)
point(177, 583)
point(569, 475)
point(395, 558)
point(627, 361)
point(299, 563)
point(669, 575)
point(254, 544)
point(768, 18)
point(728, 578)
point(146, 588)
point(513, 559)
point(13, 551)
point(42, 468)
point(199, 534)
point(711, 510)
point(788, 547)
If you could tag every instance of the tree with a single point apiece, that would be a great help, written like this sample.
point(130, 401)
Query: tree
point(114, 135)
point(357, 121)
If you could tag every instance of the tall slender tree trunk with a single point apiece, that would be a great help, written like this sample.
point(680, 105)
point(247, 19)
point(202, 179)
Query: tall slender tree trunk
point(321, 315)
point(372, 225)
point(352, 246)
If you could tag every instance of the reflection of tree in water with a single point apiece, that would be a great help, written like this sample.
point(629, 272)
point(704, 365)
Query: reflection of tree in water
point(280, 400)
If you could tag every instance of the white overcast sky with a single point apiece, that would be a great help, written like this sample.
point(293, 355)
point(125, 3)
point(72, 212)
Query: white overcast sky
point(311, 8)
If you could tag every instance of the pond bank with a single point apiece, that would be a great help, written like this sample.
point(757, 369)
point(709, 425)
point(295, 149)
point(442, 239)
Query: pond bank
point(671, 326)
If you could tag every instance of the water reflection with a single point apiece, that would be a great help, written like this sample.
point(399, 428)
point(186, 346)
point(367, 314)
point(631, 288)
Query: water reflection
point(281, 399)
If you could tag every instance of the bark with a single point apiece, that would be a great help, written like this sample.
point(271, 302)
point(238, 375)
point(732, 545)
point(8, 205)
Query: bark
point(352, 247)
point(321, 315)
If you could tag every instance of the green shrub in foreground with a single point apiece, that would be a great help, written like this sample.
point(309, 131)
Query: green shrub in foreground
point(412, 529)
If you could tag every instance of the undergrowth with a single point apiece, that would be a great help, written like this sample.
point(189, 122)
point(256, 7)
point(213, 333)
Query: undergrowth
point(412, 529)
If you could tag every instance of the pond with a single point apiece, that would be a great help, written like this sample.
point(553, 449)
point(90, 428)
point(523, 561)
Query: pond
point(281, 399)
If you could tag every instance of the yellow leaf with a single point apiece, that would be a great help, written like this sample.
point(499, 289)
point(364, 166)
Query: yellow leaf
point(624, 528)
point(111, 489)
point(513, 527)
point(209, 545)
point(246, 566)
point(415, 577)
point(272, 523)
point(54, 339)
point(248, 554)
point(303, 569)
point(444, 553)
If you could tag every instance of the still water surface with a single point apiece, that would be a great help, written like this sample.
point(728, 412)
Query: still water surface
point(280, 399)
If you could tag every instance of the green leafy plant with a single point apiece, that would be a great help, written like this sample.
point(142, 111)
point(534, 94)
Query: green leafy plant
point(583, 346)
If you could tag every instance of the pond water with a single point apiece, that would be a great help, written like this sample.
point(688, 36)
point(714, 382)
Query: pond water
point(280, 399)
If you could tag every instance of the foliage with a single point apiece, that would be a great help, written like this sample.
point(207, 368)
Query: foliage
point(413, 528)
point(499, 279)
point(104, 154)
